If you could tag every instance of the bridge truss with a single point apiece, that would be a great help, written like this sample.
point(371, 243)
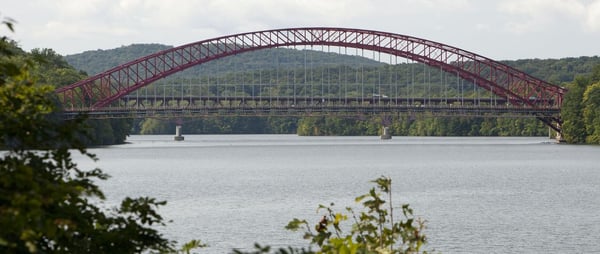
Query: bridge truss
point(119, 91)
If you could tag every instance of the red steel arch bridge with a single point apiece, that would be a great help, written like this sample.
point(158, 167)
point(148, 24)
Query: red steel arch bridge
point(495, 89)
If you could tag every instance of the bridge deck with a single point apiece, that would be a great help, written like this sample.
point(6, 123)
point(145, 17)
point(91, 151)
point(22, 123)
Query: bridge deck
point(329, 100)
point(312, 110)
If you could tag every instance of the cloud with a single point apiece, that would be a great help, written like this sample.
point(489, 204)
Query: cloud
point(593, 16)
point(535, 15)
point(443, 5)
point(72, 26)
point(227, 15)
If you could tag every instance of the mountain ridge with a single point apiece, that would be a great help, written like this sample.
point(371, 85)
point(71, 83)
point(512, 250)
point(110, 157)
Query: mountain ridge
point(557, 71)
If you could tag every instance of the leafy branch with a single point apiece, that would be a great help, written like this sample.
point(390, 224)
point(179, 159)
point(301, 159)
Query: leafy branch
point(374, 229)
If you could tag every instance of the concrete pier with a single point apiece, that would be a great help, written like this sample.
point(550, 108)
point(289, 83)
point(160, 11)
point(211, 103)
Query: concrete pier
point(178, 136)
point(386, 133)
point(559, 138)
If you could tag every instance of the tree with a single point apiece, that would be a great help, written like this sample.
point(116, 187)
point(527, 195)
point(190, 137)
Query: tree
point(48, 204)
point(571, 112)
point(595, 76)
point(581, 109)
point(591, 113)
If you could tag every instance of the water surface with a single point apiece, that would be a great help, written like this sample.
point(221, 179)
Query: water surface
point(478, 195)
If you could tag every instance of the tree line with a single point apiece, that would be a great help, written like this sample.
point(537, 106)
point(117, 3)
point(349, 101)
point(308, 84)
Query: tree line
point(337, 125)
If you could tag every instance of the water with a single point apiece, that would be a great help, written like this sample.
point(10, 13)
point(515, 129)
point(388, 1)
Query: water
point(478, 195)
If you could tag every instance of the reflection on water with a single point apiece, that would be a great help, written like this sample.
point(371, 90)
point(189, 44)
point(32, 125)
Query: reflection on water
point(478, 195)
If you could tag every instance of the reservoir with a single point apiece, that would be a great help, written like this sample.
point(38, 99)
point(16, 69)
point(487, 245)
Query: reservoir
point(477, 194)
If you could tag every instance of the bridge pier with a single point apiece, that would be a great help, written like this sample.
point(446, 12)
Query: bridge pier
point(559, 137)
point(178, 136)
point(385, 133)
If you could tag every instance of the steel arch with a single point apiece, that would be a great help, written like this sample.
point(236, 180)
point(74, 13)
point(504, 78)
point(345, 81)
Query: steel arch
point(515, 86)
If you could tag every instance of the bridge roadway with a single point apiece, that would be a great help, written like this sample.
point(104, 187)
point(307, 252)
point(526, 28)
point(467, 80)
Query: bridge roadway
point(201, 106)
point(345, 100)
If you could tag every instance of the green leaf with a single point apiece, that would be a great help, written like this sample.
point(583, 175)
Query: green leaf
point(295, 224)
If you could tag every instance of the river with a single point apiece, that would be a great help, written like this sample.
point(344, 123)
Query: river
point(477, 194)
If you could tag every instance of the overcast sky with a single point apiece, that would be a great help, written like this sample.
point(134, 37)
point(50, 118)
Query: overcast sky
point(499, 29)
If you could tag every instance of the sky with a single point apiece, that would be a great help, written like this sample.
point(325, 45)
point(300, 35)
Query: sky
point(498, 29)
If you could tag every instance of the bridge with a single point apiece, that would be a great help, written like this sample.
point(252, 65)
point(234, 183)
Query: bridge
point(465, 83)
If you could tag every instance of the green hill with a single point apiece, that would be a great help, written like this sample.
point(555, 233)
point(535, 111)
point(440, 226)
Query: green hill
point(557, 71)
point(96, 61)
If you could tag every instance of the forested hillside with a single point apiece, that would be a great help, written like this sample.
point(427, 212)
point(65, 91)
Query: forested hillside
point(96, 61)
point(272, 61)
point(556, 71)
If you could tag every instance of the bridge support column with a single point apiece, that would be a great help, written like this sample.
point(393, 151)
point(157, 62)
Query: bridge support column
point(559, 137)
point(178, 136)
point(385, 133)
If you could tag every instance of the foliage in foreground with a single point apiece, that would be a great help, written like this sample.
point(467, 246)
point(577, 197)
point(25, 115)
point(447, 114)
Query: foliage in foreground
point(48, 204)
point(375, 229)
point(47, 67)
